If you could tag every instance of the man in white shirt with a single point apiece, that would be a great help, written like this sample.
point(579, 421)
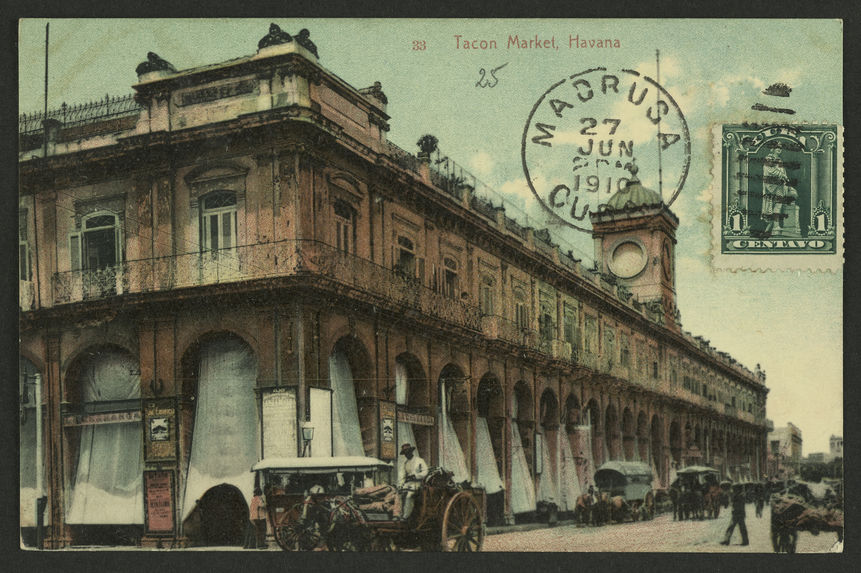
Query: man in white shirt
point(415, 471)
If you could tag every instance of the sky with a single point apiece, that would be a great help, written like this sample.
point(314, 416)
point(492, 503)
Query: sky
point(790, 322)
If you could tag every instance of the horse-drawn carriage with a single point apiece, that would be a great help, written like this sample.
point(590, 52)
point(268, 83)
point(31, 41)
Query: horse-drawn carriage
point(697, 493)
point(332, 503)
point(626, 490)
point(804, 507)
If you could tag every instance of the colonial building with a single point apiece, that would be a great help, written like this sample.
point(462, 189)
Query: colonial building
point(238, 248)
point(784, 451)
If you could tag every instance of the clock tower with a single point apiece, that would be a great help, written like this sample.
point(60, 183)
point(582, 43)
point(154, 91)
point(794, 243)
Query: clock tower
point(635, 242)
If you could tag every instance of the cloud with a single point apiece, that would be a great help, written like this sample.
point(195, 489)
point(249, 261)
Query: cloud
point(482, 163)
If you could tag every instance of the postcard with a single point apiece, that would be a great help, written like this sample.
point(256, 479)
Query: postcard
point(431, 285)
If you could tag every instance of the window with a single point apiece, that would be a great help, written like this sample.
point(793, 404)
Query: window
point(591, 335)
point(654, 370)
point(97, 246)
point(521, 317)
point(450, 278)
point(345, 228)
point(625, 356)
point(486, 296)
point(218, 221)
point(545, 323)
point(25, 270)
point(570, 326)
point(406, 261)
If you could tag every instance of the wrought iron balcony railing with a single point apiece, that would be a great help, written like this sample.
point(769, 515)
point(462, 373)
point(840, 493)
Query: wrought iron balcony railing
point(265, 260)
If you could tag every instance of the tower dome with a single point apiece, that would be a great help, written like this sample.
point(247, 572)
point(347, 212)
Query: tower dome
point(633, 195)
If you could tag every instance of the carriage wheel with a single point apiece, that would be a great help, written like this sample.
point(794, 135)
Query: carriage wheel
point(462, 527)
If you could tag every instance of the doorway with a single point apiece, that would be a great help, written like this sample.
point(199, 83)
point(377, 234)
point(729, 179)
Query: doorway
point(223, 515)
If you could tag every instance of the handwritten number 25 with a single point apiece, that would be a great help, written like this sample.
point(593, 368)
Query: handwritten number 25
point(485, 83)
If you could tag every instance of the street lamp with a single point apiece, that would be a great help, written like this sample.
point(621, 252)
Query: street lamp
point(307, 436)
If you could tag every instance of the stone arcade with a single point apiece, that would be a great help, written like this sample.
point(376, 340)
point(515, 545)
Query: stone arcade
point(239, 247)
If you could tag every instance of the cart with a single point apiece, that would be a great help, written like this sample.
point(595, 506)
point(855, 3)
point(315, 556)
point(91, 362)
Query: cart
point(313, 505)
point(632, 481)
point(698, 493)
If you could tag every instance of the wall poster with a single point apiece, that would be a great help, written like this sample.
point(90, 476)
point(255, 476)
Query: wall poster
point(160, 429)
point(279, 422)
point(387, 430)
point(320, 400)
point(159, 502)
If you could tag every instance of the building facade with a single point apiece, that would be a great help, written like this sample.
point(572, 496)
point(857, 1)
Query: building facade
point(238, 248)
point(784, 451)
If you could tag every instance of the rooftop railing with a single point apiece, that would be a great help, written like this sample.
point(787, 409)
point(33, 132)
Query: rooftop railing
point(80, 114)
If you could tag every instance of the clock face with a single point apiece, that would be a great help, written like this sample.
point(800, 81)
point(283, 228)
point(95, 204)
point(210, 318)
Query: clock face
point(627, 260)
point(667, 261)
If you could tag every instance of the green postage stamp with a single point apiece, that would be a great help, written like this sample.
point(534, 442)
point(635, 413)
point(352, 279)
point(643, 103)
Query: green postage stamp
point(778, 196)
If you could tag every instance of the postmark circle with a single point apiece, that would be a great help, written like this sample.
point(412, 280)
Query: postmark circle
point(596, 132)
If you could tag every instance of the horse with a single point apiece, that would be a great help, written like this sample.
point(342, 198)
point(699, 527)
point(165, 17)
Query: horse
point(619, 509)
point(601, 509)
point(675, 493)
point(583, 508)
point(712, 500)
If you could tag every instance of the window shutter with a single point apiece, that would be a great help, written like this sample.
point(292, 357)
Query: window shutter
point(422, 270)
point(75, 251)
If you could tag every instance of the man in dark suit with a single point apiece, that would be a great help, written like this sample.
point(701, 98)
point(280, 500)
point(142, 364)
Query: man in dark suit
point(737, 516)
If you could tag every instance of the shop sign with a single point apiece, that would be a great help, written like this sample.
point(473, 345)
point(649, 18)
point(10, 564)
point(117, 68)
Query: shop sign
point(213, 93)
point(104, 418)
point(159, 502)
point(387, 430)
point(415, 419)
point(160, 430)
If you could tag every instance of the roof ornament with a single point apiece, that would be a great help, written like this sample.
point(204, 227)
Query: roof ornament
point(631, 167)
point(304, 40)
point(275, 37)
point(154, 63)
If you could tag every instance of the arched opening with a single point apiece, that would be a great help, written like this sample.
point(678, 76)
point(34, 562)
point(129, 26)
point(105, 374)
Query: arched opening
point(643, 436)
point(611, 432)
point(222, 513)
point(455, 418)
point(571, 481)
point(354, 419)
point(522, 426)
point(105, 500)
point(593, 416)
point(628, 434)
point(490, 423)
point(411, 396)
point(657, 449)
point(676, 443)
point(548, 485)
point(221, 372)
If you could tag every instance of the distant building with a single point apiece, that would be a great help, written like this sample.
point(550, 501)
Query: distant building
point(836, 445)
point(784, 451)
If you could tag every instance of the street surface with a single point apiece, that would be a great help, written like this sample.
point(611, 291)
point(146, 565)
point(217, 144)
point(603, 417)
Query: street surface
point(659, 535)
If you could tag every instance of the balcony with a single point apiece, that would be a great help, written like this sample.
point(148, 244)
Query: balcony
point(265, 260)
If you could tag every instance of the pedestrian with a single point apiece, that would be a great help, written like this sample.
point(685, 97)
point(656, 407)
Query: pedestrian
point(737, 516)
point(760, 498)
point(257, 515)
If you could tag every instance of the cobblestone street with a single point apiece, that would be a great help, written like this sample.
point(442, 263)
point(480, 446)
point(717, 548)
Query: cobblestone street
point(661, 535)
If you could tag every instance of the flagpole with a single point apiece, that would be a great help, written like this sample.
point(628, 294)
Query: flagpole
point(660, 166)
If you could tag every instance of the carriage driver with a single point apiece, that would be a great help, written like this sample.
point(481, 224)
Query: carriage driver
point(415, 470)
